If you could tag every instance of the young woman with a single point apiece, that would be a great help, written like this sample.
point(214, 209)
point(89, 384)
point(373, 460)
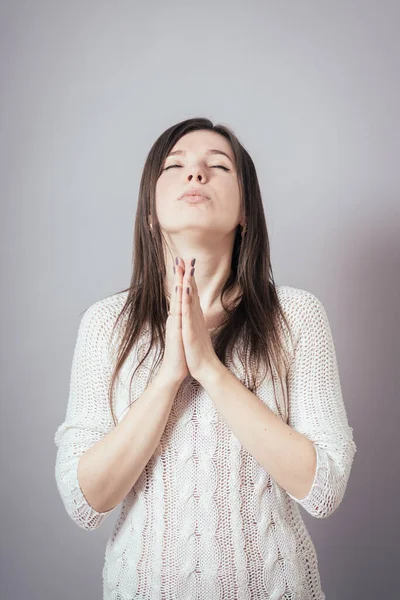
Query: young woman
point(204, 398)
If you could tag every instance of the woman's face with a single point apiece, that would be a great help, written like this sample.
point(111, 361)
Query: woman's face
point(215, 174)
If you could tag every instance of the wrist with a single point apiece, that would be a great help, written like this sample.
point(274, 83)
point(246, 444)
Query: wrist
point(167, 379)
point(211, 374)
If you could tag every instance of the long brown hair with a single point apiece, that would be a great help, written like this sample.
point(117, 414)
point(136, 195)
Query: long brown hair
point(254, 317)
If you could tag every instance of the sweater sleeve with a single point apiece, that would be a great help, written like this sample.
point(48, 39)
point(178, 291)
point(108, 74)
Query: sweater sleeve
point(88, 415)
point(316, 408)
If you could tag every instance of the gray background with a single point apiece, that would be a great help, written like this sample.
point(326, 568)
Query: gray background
point(312, 91)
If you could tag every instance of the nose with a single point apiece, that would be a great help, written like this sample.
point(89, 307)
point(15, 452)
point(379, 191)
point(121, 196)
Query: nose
point(196, 174)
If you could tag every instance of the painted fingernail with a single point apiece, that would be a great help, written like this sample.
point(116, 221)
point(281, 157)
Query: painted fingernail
point(176, 289)
point(176, 260)
point(191, 271)
point(193, 262)
point(174, 270)
point(187, 290)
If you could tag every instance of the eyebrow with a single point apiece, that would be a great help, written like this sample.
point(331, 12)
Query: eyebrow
point(210, 151)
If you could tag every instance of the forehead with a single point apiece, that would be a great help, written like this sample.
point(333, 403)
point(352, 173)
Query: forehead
point(202, 142)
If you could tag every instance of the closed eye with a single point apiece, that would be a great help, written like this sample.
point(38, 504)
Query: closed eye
point(212, 167)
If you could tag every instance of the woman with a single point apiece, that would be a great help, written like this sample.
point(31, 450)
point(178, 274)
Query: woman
point(210, 459)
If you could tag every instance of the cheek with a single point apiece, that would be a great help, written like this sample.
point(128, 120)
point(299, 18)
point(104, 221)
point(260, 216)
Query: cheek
point(230, 196)
point(164, 191)
point(165, 207)
point(229, 188)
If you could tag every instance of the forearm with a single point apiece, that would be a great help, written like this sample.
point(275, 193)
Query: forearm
point(287, 455)
point(109, 469)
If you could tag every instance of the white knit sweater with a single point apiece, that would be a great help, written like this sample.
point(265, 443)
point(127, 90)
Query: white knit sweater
point(204, 520)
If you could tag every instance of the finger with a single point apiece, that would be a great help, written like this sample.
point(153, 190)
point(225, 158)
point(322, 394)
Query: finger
point(174, 291)
point(178, 286)
point(184, 276)
point(185, 281)
point(190, 281)
point(180, 264)
point(195, 291)
point(172, 304)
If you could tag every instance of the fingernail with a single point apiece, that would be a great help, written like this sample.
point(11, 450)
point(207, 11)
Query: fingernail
point(174, 270)
point(193, 262)
point(191, 271)
point(187, 290)
point(176, 260)
point(176, 288)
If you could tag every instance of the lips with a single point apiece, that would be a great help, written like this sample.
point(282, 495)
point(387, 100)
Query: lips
point(194, 192)
point(194, 199)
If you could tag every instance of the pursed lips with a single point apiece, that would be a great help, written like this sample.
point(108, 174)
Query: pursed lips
point(195, 192)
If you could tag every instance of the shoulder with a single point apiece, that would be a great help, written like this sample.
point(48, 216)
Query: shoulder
point(105, 309)
point(99, 318)
point(296, 299)
point(302, 308)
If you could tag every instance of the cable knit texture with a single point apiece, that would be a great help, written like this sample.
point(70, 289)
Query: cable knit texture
point(204, 520)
